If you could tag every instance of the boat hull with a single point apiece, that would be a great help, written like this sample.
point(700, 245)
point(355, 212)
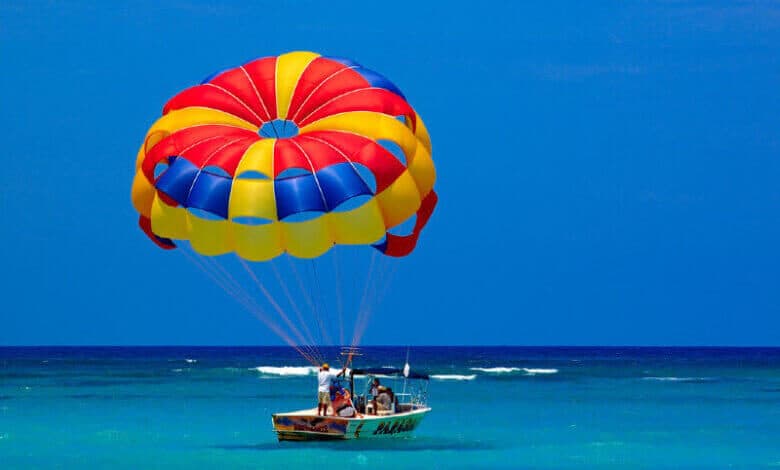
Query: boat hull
point(307, 426)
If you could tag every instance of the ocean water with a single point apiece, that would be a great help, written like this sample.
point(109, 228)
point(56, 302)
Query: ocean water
point(493, 407)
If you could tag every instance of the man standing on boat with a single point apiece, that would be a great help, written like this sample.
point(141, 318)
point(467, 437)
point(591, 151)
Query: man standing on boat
point(324, 379)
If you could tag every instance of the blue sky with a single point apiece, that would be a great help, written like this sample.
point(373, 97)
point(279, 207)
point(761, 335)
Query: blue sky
point(608, 172)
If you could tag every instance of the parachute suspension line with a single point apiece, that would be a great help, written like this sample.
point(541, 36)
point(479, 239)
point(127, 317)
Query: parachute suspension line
point(301, 286)
point(271, 300)
point(214, 276)
point(308, 298)
point(320, 300)
point(259, 309)
point(309, 338)
point(358, 285)
point(371, 304)
point(386, 283)
point(381, 272)
point(339, 305)
point(316, 309)
point(294, 305)
point(252, 304)
point(358, 273)
point(305, 294)
point(243, 299)
point(378, 290)
point(368, 303)
point(361, 307)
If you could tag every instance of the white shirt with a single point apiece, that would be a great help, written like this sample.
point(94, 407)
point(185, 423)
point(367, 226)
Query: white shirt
point(324, 378)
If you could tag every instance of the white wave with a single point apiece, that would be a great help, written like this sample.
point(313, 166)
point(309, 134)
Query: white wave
point(454, 377)
point(509, 370)
point(496, 370)
point(539, 371)
point(679, 379)
point(286, 370)
point(191, 361)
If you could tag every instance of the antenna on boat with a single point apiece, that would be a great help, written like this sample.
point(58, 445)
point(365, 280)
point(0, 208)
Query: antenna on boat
point(349, 352)
point(406, 369)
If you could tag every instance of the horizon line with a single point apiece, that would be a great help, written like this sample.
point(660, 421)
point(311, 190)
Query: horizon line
point(582, 346)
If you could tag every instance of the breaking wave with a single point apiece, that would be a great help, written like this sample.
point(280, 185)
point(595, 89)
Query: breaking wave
point(496, 370)
point(453, 377)
point(512, 370)
point(540, 371)
point(286, 370)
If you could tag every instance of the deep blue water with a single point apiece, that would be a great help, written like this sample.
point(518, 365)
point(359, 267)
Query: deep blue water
point(496, 407)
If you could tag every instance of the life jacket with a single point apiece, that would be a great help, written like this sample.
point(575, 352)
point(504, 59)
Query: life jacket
point(342, 401)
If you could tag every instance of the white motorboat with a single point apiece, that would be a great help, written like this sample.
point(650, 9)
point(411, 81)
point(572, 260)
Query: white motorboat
point(395, 411)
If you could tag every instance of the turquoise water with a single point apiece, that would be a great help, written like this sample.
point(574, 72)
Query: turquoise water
point(492, 408)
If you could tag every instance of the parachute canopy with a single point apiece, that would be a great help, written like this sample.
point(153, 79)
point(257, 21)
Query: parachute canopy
point(290, 154)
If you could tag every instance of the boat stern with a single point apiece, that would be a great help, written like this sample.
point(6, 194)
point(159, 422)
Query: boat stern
point(290, 427)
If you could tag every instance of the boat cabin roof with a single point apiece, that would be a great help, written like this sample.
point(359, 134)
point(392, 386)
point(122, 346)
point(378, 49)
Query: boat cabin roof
point(391, 371)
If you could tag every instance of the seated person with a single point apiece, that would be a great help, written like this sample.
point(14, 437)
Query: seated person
point(342, 402)
point(384, 398)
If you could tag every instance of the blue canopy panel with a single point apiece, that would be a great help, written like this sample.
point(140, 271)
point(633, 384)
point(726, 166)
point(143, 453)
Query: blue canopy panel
point(211, 193)
point(297, 194)
point(177, 179)
point(190, 186)
point(321, 191)
point(340, 183)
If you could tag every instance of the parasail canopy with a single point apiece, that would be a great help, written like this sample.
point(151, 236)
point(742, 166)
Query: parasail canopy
point(290, 154)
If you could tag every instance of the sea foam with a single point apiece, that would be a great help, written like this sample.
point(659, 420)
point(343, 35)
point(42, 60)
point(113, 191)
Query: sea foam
point(540, 371)
point(510, 370)
point(679, 379)
point(286, 370)
point(496, 370)
point(453, 377)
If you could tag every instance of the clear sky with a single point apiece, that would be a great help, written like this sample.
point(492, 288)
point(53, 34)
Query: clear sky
point(608, 172)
